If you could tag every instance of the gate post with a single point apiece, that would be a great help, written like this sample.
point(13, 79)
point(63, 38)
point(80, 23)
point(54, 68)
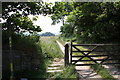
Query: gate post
point(71, 52)
point(66, 58)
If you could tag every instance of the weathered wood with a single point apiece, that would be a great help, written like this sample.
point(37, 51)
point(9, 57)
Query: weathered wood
point(83, 64)
point(109, 63)
point(96, 44)
point(66, 54)
point(71, 53)
point(95, 60)
point(90, 56)
point(106, 58)
point(94, 51)
point(88, 60)
point(87, 53)
point(94, 64)
point(83, 51)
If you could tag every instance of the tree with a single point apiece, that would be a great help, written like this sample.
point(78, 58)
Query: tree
point(16, 15)
point(60, 10)
point(93, 22)
point(17, 21)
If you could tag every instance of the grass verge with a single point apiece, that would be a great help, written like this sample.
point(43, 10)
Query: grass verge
point(67, 73)
point(61, 41)
point(102, 71)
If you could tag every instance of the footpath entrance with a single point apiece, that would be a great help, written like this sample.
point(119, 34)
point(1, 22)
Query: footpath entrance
point(85, 55)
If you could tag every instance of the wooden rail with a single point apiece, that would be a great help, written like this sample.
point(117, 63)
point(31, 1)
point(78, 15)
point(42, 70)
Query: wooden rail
point(96, 44)
point(87, 53)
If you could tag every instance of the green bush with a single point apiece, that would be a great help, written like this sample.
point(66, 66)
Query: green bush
point(34, 37)
point(30, 45)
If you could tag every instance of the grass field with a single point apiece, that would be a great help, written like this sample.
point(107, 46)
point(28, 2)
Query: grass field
point(50, 48)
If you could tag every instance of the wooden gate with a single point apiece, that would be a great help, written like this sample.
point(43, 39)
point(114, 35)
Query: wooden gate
point(91, 54)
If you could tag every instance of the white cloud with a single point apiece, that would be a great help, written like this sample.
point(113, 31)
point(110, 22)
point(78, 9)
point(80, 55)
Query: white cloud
point(45, 23)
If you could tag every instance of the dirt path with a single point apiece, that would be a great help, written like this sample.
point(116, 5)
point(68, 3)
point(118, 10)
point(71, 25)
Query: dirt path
point(113, 71)
point(85, 72)
point(56, 66)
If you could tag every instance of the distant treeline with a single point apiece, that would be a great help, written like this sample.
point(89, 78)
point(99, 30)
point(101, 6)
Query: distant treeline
point(47, 34)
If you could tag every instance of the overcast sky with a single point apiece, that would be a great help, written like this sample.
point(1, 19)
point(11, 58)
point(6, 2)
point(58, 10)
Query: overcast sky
point(45, 23)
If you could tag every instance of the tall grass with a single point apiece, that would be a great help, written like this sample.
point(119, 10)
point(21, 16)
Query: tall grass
point(50, 48)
